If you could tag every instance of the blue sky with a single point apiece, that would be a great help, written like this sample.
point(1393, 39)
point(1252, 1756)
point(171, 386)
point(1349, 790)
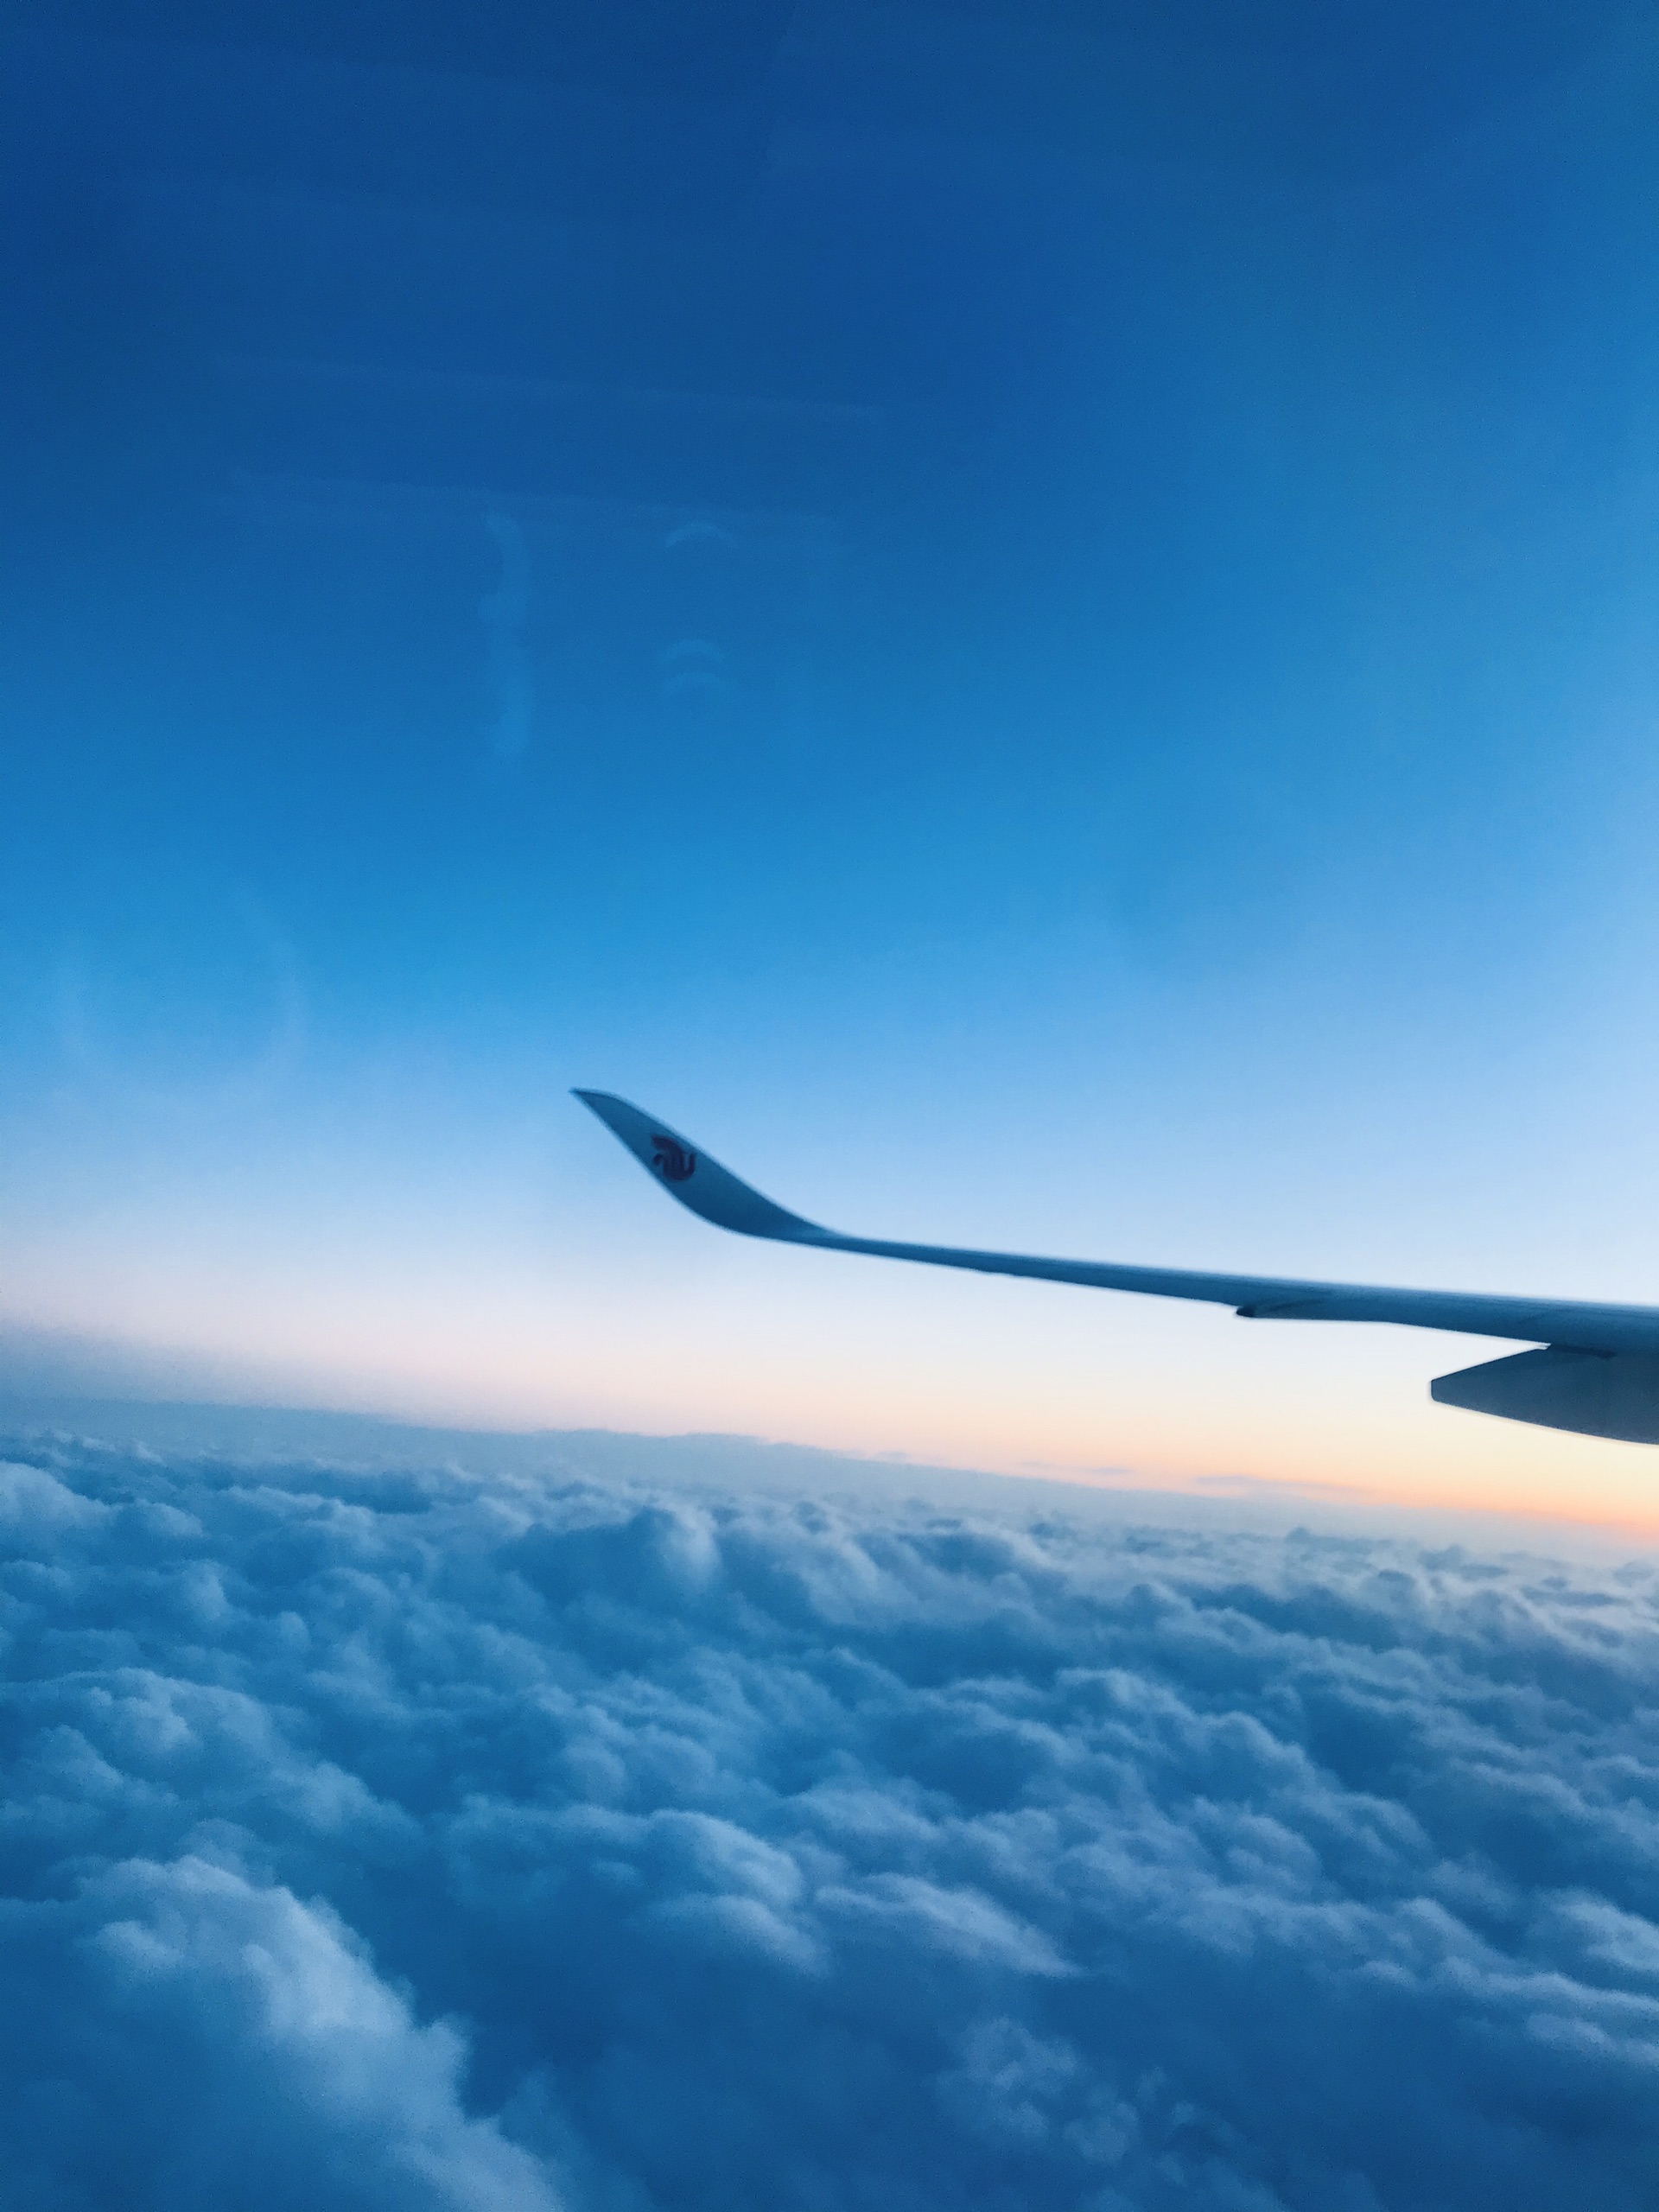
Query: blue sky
point(1039, 624)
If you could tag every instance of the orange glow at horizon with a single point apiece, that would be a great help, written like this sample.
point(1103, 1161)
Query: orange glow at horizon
point(1102, 1392)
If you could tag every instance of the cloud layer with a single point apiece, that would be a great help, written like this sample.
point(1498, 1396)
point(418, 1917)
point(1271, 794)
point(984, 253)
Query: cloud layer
point(433, 1838)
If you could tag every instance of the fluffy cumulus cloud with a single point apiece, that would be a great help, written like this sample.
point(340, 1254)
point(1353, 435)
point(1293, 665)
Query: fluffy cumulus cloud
point(445, 1838)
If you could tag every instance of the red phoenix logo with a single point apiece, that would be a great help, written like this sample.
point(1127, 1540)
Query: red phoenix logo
point(671, 1159)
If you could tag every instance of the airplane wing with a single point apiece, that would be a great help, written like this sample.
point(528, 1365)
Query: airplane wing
point(1596, 1371)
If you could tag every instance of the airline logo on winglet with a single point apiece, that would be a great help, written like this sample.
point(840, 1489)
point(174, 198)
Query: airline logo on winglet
point(671, 1159)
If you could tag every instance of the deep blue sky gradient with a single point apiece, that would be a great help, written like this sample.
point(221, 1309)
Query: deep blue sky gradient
point(1066, 594)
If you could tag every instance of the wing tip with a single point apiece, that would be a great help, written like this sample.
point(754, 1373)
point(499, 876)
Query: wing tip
point(690, 1175)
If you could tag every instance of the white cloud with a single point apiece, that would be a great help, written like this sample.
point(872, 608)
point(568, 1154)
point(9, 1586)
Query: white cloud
point(33, 1502)
point(427, 1838)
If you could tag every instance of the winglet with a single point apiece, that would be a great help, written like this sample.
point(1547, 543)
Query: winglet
point(687, 1173)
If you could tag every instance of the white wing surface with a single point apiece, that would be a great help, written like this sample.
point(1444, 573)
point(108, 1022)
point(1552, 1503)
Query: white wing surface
point(1597, 1372)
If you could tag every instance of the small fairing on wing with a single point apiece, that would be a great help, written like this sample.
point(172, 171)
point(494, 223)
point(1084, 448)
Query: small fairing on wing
point(1592, 1393)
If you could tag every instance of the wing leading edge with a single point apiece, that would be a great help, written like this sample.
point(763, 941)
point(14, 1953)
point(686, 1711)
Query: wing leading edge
point(1597, 1371)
